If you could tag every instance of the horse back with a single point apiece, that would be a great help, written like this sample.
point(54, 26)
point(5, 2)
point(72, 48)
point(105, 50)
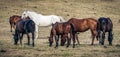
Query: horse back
point(14, 19)
point(110, 24)
point(84, 24)
point(67, 27)
point(20, 26)
point(58, 28)
point(105, 24)
point(29, 25)
point(61, 28)
point(92, 23)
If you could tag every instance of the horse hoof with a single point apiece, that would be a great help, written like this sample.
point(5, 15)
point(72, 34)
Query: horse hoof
point(55, 47)
point(91, 44)
point(67, 46)
point(62, 44)
point(105, 46)
point(33, 45)
point(50, 46)
point(110, 44)
point(73, 46)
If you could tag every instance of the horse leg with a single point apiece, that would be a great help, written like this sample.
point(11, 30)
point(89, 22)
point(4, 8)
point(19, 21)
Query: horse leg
point(18, 36)
point(110, 37)
point(11, 26)
point(56, 40)
point(73, 38)
point(36, 31)
point(50, 39)
point(92, 40)
point(68, 41)
point(103, 38)
point(98, 35)
point(58, 37)
point(14, 26)
point(76, 35)
point(21, 36)
point(63, 40)
point(94, 33)
point(28, 39)
point(33, 39)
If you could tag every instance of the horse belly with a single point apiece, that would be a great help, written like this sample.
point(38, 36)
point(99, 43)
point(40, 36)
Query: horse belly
point(45, 22)
point(82, 28)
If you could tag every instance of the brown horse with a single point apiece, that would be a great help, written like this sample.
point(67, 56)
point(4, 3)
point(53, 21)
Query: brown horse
point(60, 29)
point(82, 25)
point(13, 20)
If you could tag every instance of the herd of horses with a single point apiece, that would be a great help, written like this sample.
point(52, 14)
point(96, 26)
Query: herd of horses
point(65, 30)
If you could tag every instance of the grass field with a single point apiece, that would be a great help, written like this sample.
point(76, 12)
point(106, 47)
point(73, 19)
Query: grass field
point(67, 9)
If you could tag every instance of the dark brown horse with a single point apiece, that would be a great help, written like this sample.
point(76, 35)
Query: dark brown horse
point(82, 25)
point(24, 27)
point(13, 20)
point(60, 29)
point(105, 25)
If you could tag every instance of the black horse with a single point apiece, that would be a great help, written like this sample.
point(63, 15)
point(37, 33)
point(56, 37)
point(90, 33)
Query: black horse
point(104, 25)
point(24, 27)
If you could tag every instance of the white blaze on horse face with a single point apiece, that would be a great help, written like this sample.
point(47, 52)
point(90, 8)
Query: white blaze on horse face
point(24, 15)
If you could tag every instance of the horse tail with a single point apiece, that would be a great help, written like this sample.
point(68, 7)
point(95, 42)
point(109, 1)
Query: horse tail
point(16, 32)
point(72, 28)
point(61, 19)
point(10, 22)
point(98, 30)
point(110, 21)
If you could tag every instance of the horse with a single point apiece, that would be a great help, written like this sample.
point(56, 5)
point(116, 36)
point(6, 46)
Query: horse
point(82, 25)
point(105, 25)
point(13, 20)
point(24, 27)
point(41, 20)
point(60, 29)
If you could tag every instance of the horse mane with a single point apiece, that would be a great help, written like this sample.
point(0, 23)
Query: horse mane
point(109, 19)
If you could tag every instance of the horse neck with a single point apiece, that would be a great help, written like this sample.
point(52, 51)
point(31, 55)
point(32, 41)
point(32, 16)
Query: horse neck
point(61, 19)
point(31, 16)
point(40, 14)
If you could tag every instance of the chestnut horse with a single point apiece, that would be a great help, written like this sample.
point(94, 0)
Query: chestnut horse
point(13, 20)
point(60, 29)
point(82, 25)
point(105, 25)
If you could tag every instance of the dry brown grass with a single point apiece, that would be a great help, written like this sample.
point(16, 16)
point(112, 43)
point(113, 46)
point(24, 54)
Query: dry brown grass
point(66, 9)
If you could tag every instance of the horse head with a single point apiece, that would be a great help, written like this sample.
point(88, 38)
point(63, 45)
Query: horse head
point(50, 39)
point(24, 15)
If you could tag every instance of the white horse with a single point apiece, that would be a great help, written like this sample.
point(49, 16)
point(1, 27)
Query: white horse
point(41, 20)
